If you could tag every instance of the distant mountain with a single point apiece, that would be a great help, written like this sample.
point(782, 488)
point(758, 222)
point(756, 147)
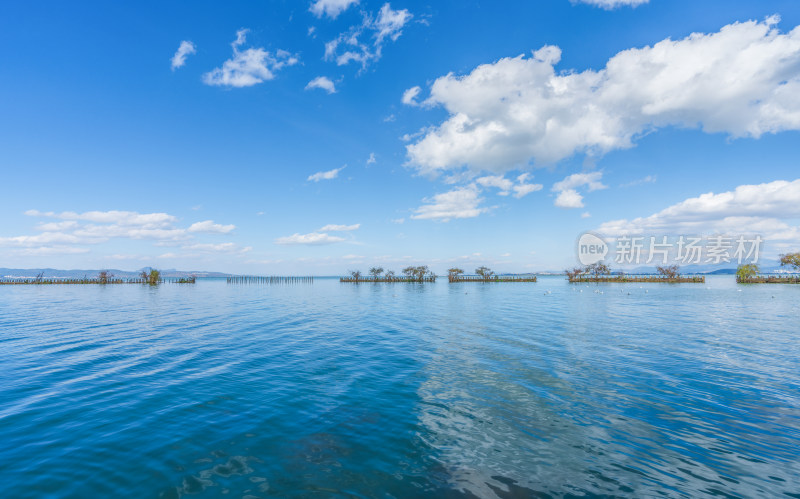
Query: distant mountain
point(74, 274)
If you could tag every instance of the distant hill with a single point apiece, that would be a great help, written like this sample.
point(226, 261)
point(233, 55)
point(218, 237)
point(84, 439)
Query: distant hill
point(73, 274)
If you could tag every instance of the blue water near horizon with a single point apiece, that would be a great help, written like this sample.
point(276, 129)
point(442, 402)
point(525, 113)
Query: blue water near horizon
point(400, 390)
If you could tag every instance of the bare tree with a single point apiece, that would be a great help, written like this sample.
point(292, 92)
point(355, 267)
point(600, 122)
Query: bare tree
point(671, 272)
point(376, 272)
point(597, 269)
point(575, 272)
point(104, 277)
point(355, 274)
point(792, 260)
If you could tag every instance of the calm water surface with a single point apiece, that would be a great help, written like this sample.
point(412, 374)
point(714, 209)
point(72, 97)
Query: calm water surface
point(400, 390)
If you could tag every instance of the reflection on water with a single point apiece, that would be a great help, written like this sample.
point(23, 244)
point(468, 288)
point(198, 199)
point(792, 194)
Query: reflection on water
point(400, 390)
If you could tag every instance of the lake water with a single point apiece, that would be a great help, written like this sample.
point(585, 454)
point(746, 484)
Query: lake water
point(400, 390)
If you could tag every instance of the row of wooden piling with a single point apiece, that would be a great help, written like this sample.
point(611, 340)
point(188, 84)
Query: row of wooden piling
point(638, 279)
point(52, 281)
point(275, 279)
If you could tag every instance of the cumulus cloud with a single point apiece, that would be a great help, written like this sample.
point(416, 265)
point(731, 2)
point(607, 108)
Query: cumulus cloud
point(185, 49)
point(210, 226)
point(339, 228)
point(766, 209)
point(323, 83)
point(351, 45)
point(328, 175)
point(330, 8)
point(410, 96)
point(313, 238)
point(248, 67)
point(462, 202)
point(568, 195)
point(569, 198)
point(742, 81)
point(612, 4)
point(371, 160)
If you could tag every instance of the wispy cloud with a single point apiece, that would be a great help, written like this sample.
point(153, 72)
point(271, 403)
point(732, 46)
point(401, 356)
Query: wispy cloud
point(313, 238)
point(350, 46)
point(185, 49)
point(328, 175)
point(339, 228)
point(612, 4)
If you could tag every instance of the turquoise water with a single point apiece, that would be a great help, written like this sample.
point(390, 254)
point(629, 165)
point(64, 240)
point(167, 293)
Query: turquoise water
point(400, 390)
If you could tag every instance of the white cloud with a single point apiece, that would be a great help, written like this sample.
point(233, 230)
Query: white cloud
point(462, 202)
point(763, 208)
point(124, 218)
point(568, 195)
point(590, 180)
point(742, 81)
point(649, 179)
point(371, 160)
point(497, 181)
point(96, 227)
point(506, 186)
point(339, 228)
point(613, 4)
point(185, 49)
point(210, 226)
point(249, 67)
point(322, 82)
point(330, 8)
point(569, 198)
point(328, 175)
point(398, 220)
point(522, 190)
point(314, 238)
point(410, 96)
point(349, 46)
point(217, 248)
point(586, 214)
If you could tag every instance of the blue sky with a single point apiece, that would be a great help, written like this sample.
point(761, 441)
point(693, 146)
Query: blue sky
point(320, 136)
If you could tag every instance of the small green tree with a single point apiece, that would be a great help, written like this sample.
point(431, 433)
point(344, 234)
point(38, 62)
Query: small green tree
point(409, 271)
point(152, 278)
point(420, 272)
point(791, 260)
point(376, 272)
point(455, 271)
point(484, 272)
point(747, 272)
